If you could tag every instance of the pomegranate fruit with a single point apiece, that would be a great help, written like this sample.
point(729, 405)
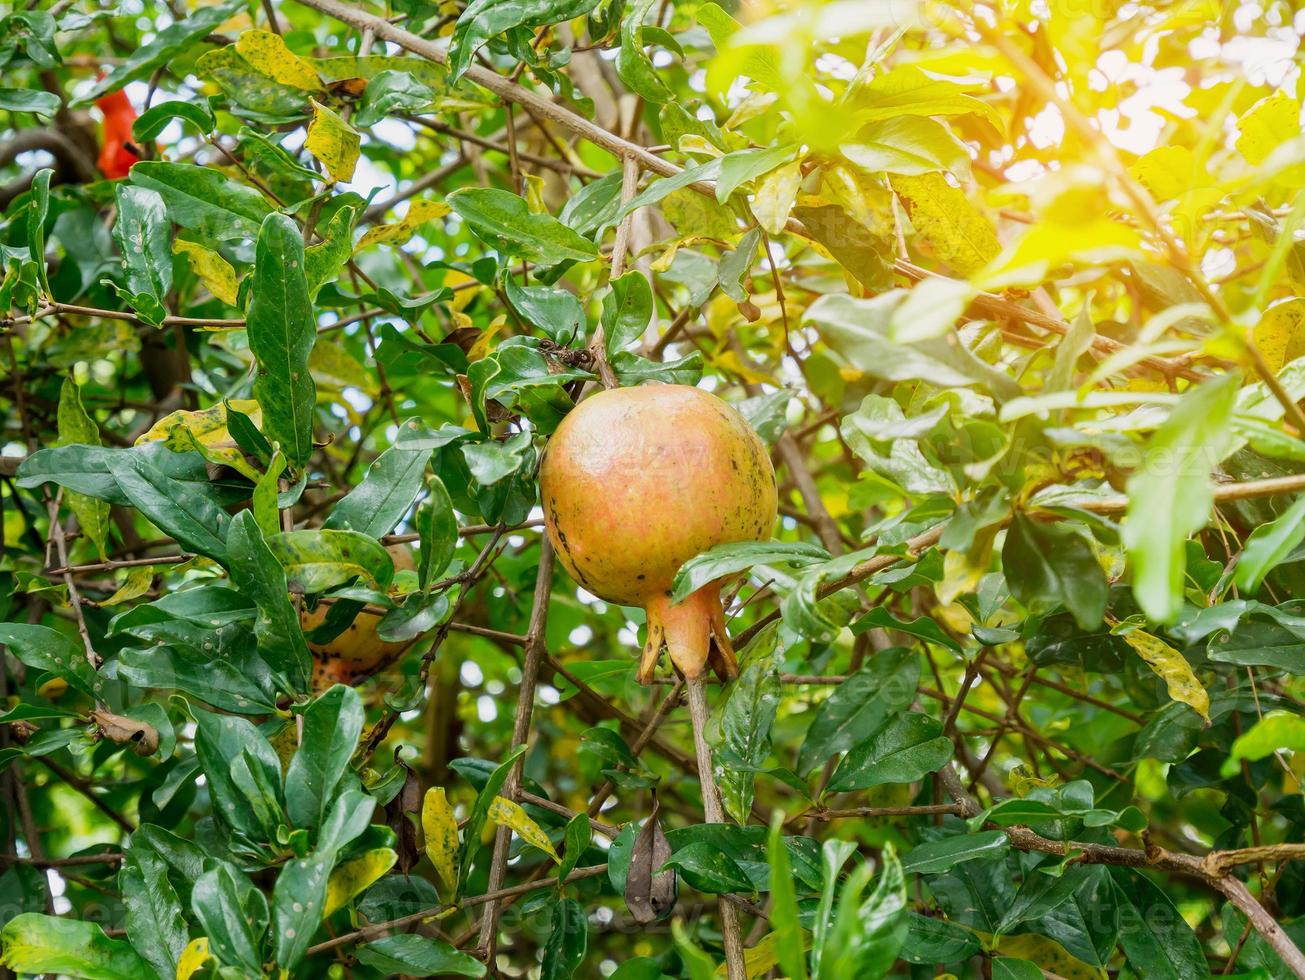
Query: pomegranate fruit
point(635, 482)
point(358, 652)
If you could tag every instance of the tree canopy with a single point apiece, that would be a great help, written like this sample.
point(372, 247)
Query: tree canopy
point(294, 295)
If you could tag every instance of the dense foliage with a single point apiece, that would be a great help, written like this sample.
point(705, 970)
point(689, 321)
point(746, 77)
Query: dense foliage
point(1015, 295)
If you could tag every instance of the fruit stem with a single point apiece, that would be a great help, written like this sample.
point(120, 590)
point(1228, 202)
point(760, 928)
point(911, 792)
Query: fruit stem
point(731, 934)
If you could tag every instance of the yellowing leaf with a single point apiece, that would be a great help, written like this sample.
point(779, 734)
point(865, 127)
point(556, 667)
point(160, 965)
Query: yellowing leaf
point(505, 813)
point(1267, 125)
point(350, 877)
point(75, 426)
point(267, 54)
point(729, 360)
point(480, 349)
point(535, 194)
point(419, 212)
point(943, 216)
point(192, 958)
point(1280, 334)
point(1049, 955)
point(760, 959)
point(136, 584)
point(215, 272)
point(1168, 172)
point(1044, 246)
point(773, 198)
point(333, 141)
point(439, 827)
point(206, 432)
point(1172, 667)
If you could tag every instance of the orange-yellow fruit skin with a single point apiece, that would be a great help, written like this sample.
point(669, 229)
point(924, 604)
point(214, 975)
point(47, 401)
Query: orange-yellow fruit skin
point(635, 482)
point(358, 652)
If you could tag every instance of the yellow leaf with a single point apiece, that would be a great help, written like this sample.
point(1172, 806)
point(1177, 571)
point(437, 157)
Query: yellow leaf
point(857, 193)
point(943, 216)
point(480, 348)
point(334, 369)
point(136, 584)
point(1172, 667)
point(729, 360)
point(439, 827)
point(267, 54)
point(206, 432)
point(535, 194)
point(1267, 125)
point(1034, 254)
point(760, 959)
point(419, 212)
point(1168, 172)
point(505, 813)
point(349, 878)
point(1280, 334)
point(211, 269)
point(774, 196)
point(192, 958)
point(691, 213)
point(1049, 955)
point(333, 141)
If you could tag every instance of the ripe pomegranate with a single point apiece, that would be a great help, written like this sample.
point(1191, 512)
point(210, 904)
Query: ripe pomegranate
point(358, 652)
point(635, 482)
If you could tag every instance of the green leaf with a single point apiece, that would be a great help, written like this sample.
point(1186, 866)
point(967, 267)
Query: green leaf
point(633, 64)
point(184, 511)
point(29, 100)
point(77, 427)
point(35, 944)
point(331, 726)
point(386, 493)
point(859, 329)
point(708, 869)
point(480, 811)
point(659, 189)
point(38, 210)
point(155, 119)
point(730, 559)
point(258, 574)
point(390, 92)
point(1269, 544)
point(504, 222)
point(143, 235)
point(418, 956)
point(281, 337)
point(233, 915)
point(482, 20)
point(578, 836)
point(784, 915)
point(745, 723)
point(438, 526)
point(861, 706)
point(936, 857)
point(867, 933)
point(911, 746)
point(203, 200)
point(833, 855)
point(317, 560)
point(557, 312)
point(1010, 968)
point(627, 310)
point(923, 627)
point(568, 938)
point(300, 895)
point(323, 261)
point(155, 918)
point(165, 46)
point(1156, 940)
point(931, 941)
point(909, 145)
point(741, 166)
point(697, 964)
point(1170, 497)
point(1054, 564)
